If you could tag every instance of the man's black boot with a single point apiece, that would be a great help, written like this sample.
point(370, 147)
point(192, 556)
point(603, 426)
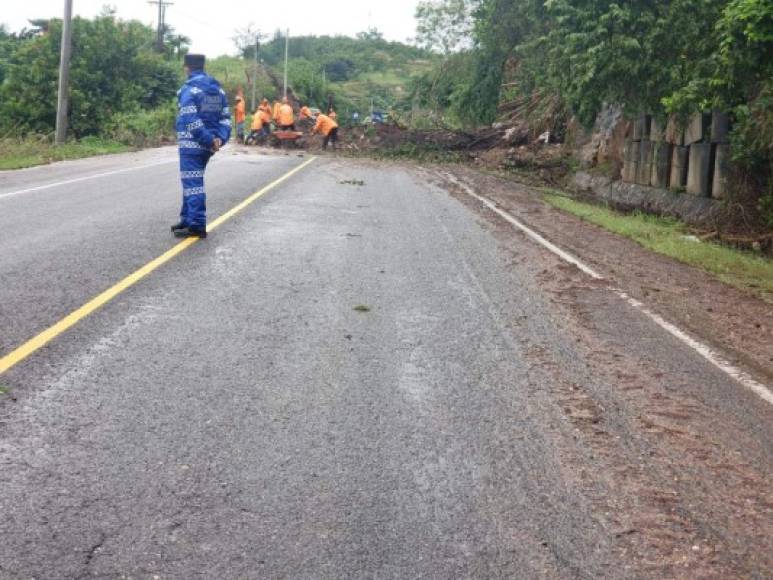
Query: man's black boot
point(177, 226)
point(189, 232)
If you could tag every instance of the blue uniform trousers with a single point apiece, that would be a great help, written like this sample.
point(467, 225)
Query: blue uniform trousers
point(194, 208)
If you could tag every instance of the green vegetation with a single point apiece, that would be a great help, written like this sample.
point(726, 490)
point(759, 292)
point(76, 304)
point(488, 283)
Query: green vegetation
point(143, 127)
point(418, 153)
point(681, 56)
point(113, 71)
point(235, 75)
point(122, 91)
point(670, 237)
point(342, 57)
point(356, 73)
point(664, 58)
point(30, 151)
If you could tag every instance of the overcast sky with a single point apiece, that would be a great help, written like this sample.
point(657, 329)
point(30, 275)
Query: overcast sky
point(210, 23)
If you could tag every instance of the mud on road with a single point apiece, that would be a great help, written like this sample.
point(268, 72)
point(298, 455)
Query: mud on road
point(681, 476)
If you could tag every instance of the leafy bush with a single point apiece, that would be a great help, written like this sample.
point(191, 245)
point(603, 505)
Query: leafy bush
point(142, 128)
point(113, 69)
point(437, 95)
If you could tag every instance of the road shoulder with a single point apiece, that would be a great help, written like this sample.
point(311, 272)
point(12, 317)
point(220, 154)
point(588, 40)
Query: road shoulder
point(736, 323)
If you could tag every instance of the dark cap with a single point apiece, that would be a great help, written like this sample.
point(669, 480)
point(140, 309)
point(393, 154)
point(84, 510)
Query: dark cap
point(195, 61)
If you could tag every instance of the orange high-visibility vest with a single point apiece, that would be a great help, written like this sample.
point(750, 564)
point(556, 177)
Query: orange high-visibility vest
point(286, 116)
point(324, 125)
point(240, 111)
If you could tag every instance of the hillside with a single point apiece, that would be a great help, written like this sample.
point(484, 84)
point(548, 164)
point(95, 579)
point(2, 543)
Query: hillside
point(356, 72)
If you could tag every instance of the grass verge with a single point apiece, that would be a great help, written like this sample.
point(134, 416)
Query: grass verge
point(668, 236)
point(20, 153)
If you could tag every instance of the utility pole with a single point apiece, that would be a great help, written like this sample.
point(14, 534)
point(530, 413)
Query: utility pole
point(287, 52)
point(162, 4)
point(255, 73)
point(64, 75)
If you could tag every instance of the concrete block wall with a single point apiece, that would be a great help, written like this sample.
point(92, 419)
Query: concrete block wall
point(699, 170)
point(674, 133)
point(697, 129)
point(644, 169)
point(678, 174)
point(661, 165)
point(721, 163)
point(693, 159)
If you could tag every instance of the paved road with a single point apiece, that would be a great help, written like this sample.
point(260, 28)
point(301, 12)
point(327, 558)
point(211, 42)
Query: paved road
point(348, 380)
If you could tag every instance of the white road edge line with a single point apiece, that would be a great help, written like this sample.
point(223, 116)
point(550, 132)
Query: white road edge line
point(84, 178)
point(734, 372)
point(703, 350)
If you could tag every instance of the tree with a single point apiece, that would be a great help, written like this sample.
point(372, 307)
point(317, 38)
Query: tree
point(444, 25)
point(245, 40)
point(177, 45)
point(371, 34)
point(112, 70)
point(307, 82)
point(340, 69)
point(500, 27)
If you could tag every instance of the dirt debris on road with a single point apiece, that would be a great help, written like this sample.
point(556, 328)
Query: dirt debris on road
point(672, 492)
point(734, 321)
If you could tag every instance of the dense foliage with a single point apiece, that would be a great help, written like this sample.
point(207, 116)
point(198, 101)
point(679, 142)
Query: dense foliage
point(679, 56)
point(355, 73)
point(341, 57)
point(444, 26)
point(114, 71)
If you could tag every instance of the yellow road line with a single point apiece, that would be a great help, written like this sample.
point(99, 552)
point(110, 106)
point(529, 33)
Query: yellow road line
point(16, 356)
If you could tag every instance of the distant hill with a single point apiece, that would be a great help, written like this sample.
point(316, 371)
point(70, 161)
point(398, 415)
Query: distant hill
point(356, 72)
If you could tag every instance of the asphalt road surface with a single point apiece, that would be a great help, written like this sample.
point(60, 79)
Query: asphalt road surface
point(360, 375)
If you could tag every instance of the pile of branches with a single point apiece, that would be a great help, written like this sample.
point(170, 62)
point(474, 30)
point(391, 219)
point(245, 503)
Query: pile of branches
point(538, 113)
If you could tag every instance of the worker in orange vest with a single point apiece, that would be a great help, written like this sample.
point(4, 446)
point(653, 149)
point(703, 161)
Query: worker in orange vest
point(260, 126)
point(240, 114)
point(328, 128)
point(286, 116)
point(275, 111)
point(265, 107)
point(305, 113)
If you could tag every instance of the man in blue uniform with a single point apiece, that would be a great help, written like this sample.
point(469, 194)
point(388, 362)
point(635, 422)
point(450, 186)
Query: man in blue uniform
point(203, 127)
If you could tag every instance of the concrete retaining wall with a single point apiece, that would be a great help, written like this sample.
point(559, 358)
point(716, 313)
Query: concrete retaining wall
point(666, 168)
point(691, 209)
point(694, 158)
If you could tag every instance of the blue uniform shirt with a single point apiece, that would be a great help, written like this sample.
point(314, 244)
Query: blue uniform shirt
point(203, 114)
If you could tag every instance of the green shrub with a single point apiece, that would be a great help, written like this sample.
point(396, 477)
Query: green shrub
point(113, 70)
point(144, 128)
